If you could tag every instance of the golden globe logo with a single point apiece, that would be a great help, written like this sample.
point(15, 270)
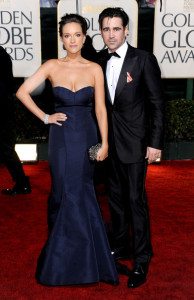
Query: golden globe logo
point(91, 9)
point(5, 4)
point(188, 5)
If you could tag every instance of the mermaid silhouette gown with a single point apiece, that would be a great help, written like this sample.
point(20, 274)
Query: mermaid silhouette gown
point(77, 249)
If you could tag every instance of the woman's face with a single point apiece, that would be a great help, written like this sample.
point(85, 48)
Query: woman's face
point(72, 37)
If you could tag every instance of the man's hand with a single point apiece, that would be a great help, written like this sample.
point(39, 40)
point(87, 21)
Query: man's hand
point(152, 154)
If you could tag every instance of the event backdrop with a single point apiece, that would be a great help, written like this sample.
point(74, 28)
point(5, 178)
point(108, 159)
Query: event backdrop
point(173, 32)
point(20, 34)
point(91, 10)
point(174, 38)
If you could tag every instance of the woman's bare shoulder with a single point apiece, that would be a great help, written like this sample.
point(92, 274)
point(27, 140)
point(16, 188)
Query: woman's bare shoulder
point(51, 63)
point(50, 66)
point(95, 67)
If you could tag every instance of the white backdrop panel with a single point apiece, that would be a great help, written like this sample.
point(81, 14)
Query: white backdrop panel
point(174, 38)
point(20, 34)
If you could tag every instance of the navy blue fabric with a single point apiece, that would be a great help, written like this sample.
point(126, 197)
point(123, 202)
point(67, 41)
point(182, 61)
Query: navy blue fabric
point(77, 249)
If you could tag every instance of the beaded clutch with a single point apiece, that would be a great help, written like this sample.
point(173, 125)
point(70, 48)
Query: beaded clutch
point(93, 151)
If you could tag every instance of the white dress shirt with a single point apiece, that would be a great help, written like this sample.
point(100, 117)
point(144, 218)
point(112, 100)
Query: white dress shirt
point(113, 69)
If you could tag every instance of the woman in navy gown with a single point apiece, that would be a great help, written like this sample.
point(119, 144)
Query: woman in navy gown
point(77, 249)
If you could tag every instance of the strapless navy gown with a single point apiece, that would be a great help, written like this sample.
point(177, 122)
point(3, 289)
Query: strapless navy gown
point(77, 249)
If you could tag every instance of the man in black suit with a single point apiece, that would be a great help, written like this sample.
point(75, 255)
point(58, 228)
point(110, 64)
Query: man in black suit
point(8, 154)
point(134, 100)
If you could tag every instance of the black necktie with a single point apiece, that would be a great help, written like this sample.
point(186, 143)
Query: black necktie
point(109, 55)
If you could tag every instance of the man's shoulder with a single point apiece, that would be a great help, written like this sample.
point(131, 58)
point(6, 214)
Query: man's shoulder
point(102, 53)
point(4, 55)
point(3, 52)
point(101, 57)
point(2, 49)
point(138, 52)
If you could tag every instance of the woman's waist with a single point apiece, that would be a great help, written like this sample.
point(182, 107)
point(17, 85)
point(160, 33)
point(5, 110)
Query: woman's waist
point(77, 115)
point(74, 109)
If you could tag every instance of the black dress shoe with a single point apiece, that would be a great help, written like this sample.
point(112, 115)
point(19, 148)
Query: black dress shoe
point(122, 253)
point(138, 275)
point(22, 187)
point(122, 269)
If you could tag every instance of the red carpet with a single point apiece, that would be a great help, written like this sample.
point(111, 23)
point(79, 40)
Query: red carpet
point(23, 232)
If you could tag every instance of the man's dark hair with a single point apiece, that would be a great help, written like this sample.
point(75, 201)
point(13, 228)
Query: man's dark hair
point(112, 12)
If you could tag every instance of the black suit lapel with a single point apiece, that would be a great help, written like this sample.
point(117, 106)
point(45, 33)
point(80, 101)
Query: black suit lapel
point(128, 65)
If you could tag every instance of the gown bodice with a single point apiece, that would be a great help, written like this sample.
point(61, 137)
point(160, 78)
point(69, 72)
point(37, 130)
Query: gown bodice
point(78, 106)
point(65, 98)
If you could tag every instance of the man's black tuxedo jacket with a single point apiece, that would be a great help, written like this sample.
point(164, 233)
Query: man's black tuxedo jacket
point(136, 117)
point(6, 86)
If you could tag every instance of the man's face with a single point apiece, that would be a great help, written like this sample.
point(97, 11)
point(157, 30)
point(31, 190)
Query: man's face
point(113, 33)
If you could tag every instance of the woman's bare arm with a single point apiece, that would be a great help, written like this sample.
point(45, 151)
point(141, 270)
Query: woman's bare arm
point(23, 93)
point(101, 113)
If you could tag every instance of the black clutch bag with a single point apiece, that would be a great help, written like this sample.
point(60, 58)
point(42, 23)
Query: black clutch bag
point(93, 151)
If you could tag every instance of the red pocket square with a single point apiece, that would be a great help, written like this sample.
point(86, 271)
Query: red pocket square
point(129, 78)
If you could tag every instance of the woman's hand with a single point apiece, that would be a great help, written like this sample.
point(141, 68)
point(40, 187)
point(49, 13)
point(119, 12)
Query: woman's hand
point(102, 153)
point(55, 118)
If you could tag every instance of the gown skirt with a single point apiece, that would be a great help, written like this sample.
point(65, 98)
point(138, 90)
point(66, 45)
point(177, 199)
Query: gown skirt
point(77, 250)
